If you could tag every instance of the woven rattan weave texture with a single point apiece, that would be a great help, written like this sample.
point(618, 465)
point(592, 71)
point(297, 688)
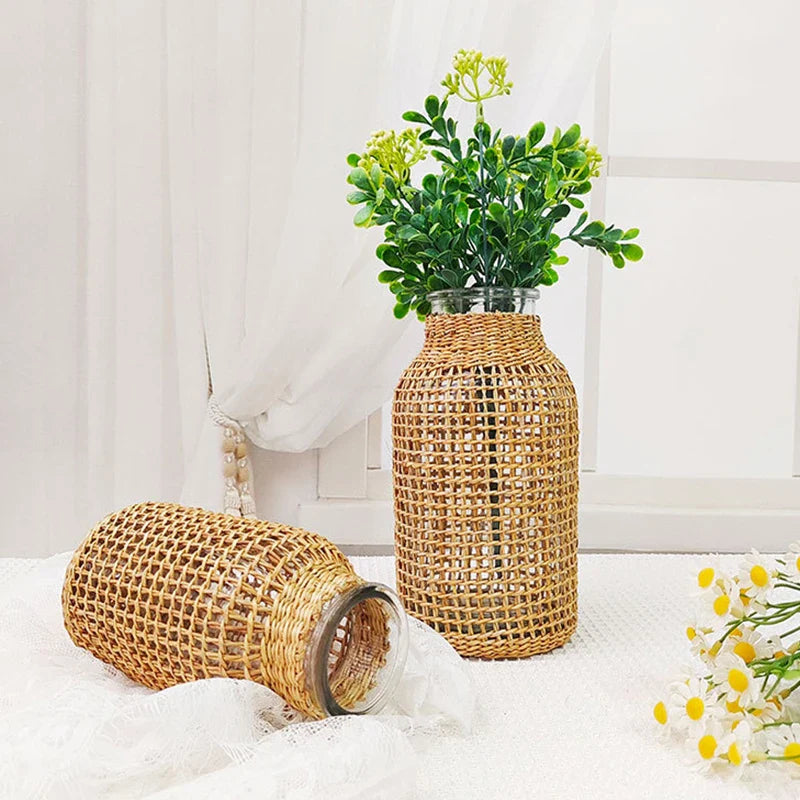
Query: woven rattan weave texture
point(485, 463)
point(169, 594)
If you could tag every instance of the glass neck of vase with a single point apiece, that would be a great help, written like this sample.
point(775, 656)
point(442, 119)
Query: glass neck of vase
point(484, 300)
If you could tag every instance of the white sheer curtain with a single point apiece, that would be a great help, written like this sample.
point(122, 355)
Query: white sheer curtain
point(175, 173)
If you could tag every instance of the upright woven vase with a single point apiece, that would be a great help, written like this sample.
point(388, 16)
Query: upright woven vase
point(485, 464)
point(169, 594)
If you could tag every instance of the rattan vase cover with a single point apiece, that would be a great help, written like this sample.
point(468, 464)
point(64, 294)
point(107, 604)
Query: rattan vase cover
point(485, 463)
point(169, 594)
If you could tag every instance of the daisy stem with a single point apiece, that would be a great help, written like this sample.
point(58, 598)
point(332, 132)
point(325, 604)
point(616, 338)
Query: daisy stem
point(793, 630)
point(787, 692)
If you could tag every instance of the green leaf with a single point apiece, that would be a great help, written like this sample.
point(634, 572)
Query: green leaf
point(613, 235)
point(400, 310)
point(357, 197)
point(482, 132)
point(559, 260)
point(519, 149)
point(508, 146)
point(415, 116)
point(573, 201)
point(359, 178)
point(406, 233)
point(389, 276)
point(439, 125)
point(570, 137)
point(423, 309)
point(631, 233)
point(429, 184)
point(353, 159)
point(418, 222)
point(535, 134)
point(592, 230)
point(461, 212)
point(551, 187)
point(617, 260)
point(376, 175)
point(363, 215)
point(632, 252)
point(572, 158)
point(432, 105)
point(549, 276)
point(449, 277)
point(455, 149)
point(497, 211)
point(388, 255)
point(556, 137)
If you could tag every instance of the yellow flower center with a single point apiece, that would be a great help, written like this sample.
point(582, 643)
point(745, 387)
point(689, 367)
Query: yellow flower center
point(721, 605)
point(792, 751)
point(733, 706)
point(797, 563)
point(660, 713)
point(705, 577)
point(737, 680)
point(745, 651)
point(759, 576)
point(690, 633)
point(734, 756)
point(736, 634)
point(707, 746)
point(695, 708)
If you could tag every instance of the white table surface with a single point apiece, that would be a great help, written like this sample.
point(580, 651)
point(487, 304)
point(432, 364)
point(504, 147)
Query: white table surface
point(577, 723)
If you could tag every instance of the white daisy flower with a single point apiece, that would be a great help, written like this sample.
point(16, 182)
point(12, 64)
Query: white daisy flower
point(756, 577)
point(708, 745)
point(765, 711)
point(700, 640)
point(747, 643)
point(719, 605)
point(692, 704)
point(707, 572)
point(783, 742)
point(792, 562)
point(735, 680)
point(736, 745)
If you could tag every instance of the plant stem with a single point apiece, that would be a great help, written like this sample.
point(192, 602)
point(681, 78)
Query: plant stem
point(486, 272)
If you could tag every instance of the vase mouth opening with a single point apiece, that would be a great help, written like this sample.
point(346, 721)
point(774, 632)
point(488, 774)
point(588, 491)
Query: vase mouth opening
point(357, 651)
point(484, 299)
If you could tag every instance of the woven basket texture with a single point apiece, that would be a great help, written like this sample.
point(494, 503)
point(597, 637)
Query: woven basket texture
point(169, 594)
point(485, 467)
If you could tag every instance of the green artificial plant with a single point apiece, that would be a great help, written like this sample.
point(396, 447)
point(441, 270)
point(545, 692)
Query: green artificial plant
point(489, 216)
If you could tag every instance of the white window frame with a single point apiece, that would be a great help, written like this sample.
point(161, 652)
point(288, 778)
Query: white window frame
point(616, 512)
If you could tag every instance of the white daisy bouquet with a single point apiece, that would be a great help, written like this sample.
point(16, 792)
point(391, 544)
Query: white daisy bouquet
point(735, 706)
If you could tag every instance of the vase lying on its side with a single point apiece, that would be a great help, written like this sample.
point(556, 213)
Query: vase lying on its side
point(485, 467)
point(169, 594)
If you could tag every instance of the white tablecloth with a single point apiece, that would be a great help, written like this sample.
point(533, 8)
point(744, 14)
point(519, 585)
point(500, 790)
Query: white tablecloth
point(577, 723)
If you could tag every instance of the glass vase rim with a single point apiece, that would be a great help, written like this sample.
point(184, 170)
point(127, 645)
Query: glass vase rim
point(318, 679)
point(477, 292)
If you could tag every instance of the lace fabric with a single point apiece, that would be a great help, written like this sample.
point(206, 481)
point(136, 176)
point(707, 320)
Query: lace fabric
point(74, 727)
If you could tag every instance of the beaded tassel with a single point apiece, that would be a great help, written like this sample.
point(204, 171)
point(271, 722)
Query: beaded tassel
point(233, 501)
point(248, 504)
